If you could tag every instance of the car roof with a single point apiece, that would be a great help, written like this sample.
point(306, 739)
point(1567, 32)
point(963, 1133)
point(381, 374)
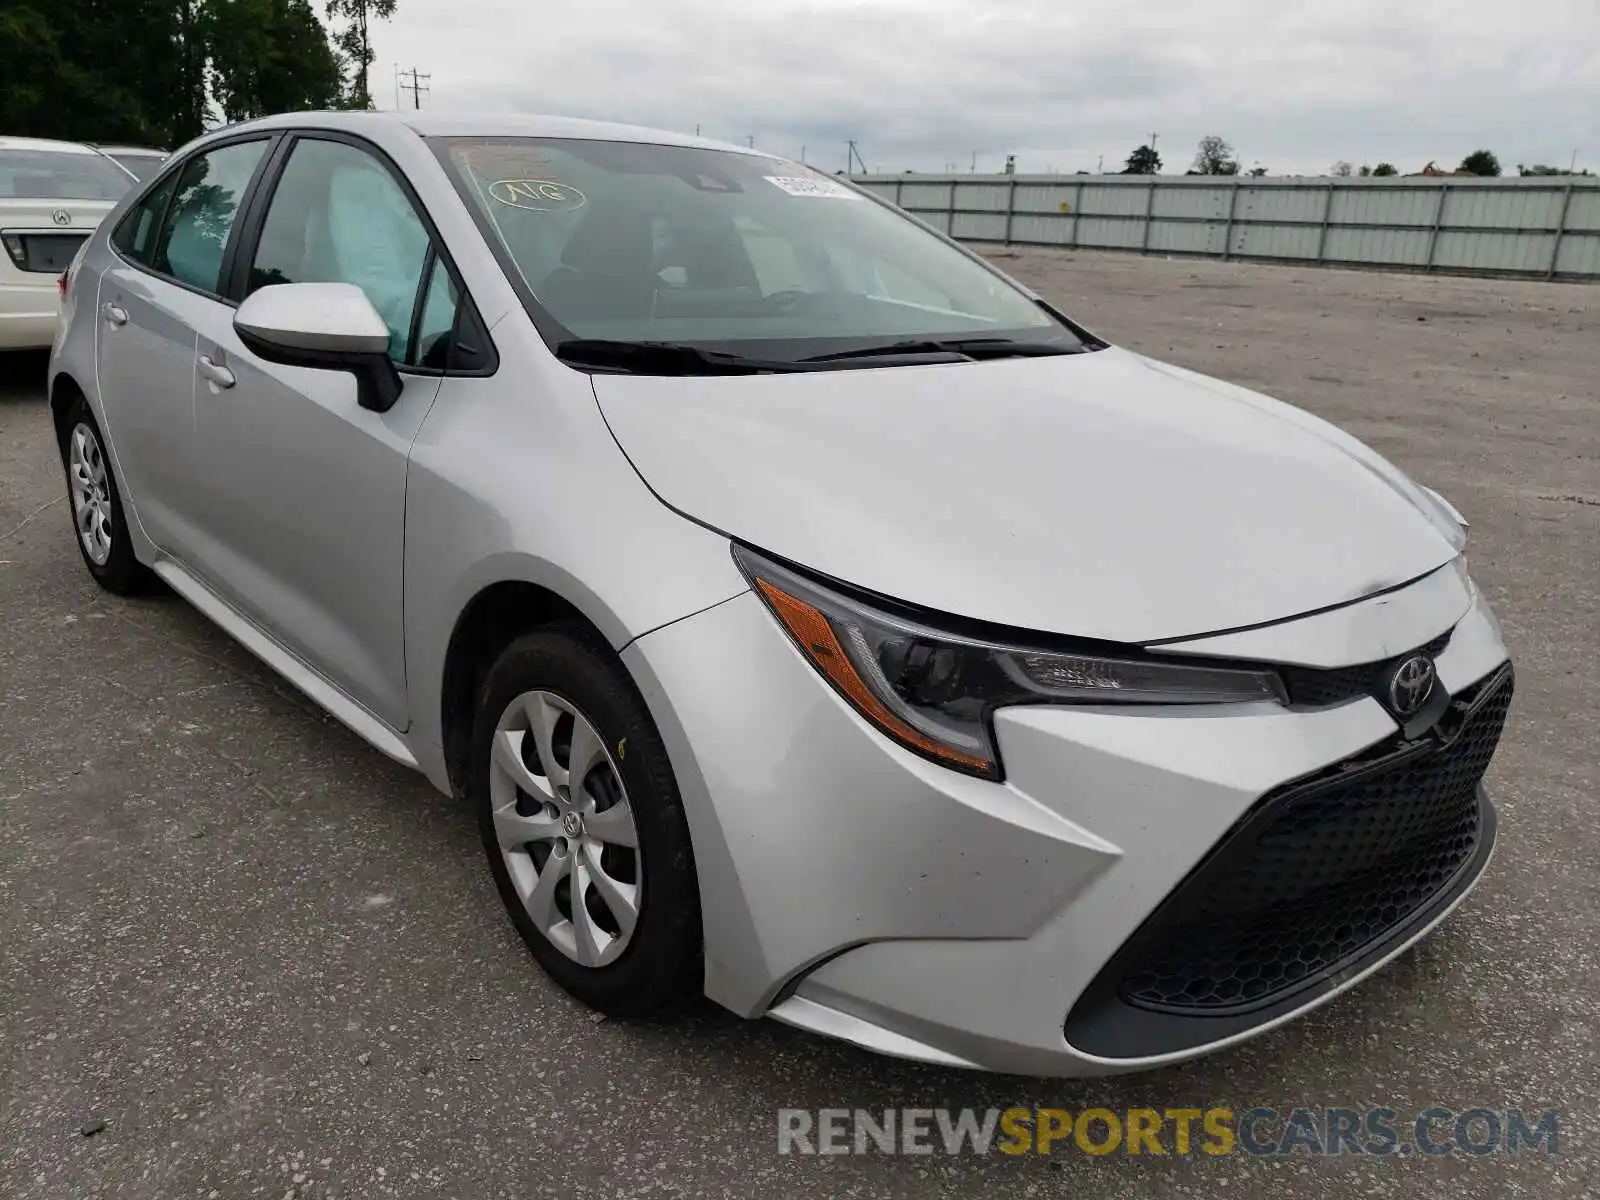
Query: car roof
point(131, 151)
point(434, 124)
point(24, 143)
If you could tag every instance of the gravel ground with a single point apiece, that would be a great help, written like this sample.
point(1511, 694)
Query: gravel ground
point(273, 964)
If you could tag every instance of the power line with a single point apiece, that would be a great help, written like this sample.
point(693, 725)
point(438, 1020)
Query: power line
point(417, 87)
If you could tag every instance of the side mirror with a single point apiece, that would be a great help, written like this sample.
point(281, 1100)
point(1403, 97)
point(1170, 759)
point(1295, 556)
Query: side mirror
point(332, 326)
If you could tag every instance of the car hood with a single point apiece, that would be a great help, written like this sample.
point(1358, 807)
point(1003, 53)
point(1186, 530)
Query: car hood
point(1102, 495)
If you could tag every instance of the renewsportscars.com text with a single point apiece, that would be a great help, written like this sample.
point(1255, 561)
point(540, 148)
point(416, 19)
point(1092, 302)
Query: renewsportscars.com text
point(1378, 1132)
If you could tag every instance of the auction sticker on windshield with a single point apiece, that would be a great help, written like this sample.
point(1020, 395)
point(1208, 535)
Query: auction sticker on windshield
point(824, 189)
point(539, 195)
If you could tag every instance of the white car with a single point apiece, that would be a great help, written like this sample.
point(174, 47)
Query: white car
point(142, 162)
point(52, 196)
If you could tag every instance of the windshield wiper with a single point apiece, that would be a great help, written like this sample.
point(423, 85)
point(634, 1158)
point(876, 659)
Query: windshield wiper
point(663, 358)
point(969, 348)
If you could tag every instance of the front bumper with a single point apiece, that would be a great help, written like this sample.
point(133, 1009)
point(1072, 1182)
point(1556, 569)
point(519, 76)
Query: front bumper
point(855, 889)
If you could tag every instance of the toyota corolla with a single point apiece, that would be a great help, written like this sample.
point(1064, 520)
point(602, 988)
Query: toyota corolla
point(816, 619)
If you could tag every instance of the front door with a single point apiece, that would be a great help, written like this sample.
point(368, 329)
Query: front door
point(304, 526)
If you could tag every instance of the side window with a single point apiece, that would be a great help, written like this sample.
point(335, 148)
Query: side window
point(195, 233)
point(437, 322)
point(135, 234)
point(337, 216)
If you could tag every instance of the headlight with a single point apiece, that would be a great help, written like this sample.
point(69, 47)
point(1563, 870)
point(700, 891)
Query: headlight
point(933, 691)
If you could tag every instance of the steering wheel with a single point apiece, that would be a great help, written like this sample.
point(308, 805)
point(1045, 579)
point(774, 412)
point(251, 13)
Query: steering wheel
point(789, 300)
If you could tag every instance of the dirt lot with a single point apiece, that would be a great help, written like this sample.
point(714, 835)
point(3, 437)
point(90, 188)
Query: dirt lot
point(273, 963)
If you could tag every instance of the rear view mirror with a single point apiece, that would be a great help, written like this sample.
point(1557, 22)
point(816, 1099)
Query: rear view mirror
point(332, 326)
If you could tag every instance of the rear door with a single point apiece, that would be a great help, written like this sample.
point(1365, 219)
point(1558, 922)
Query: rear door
point(164, 283)
point(304, 515)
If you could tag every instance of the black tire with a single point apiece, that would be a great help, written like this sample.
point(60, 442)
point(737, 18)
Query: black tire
point(661, 969)
point(121, 572)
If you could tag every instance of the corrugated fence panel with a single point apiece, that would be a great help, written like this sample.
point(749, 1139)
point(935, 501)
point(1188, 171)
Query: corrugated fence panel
point(1275, 241)
point(1114, 200)
point(1186, 237)
point(1047, 198)
point(1383, 206)
point(1193, 202)
point(1110, 233)
point(1580, 255)
point(1501, 208)
point(1038, 227)
point(1488, 251)
point(978, 227)
point(1584, 211)
point(1449, 223)
point(982, 197)
point(1397, 247)
point(1280, 204)
point(925, 195)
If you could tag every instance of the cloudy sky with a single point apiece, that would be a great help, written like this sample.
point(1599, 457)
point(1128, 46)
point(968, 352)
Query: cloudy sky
point(1294, 85)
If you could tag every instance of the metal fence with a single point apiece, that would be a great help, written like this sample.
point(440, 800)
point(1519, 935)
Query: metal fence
point(1546, 227)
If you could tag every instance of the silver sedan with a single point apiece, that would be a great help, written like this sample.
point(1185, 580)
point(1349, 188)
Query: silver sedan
point(816, 619)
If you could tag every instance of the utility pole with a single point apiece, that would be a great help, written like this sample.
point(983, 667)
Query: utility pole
point(1100, 165)
point(417, 86)
point(751, 141)
point(397, 87)
point(853, 159)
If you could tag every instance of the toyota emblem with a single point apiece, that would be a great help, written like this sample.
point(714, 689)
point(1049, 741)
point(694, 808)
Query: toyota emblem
point(1411, 685)
point(61, 217)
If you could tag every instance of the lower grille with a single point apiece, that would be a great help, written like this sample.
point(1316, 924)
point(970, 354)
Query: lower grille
point(1321, 870)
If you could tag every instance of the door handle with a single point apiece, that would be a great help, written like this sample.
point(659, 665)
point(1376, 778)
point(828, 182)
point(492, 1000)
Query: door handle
point(114, 314)
point(217, 374)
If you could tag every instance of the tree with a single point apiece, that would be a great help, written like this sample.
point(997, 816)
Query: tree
point(1342, 169)
point(270, 56)
point(1143, 161)
point(1256, 172)
point(1215, 157)
point(1366, 169)
point(354, 44)
point(1384, 168)
point(1481, 162)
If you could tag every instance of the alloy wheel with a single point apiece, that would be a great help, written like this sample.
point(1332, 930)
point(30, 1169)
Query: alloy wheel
point(565, 828)
point(91, 494)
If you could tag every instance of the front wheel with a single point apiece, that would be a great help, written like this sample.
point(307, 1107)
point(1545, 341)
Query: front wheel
point(583, 826)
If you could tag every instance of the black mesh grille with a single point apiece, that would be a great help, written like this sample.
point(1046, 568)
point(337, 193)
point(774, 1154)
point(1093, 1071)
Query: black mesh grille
point(1311, 687)
point(1324, 869)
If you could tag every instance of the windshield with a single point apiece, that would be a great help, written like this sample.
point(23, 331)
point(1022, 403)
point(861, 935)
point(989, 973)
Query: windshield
point(716, 250)
point(144, 166)
point(59, 175)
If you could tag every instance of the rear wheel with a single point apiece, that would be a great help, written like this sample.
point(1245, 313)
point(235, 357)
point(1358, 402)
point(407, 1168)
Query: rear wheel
point(583, 826)
point(97, 513)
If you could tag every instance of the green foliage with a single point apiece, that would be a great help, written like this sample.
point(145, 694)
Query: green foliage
point(270, 56)
point(1481, 162)
point(1143, 161)
point(158, 72)
point(354, 46)
point(1385, 169)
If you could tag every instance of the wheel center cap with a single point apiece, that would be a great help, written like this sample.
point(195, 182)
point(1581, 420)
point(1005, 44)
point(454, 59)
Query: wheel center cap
point(572, 824)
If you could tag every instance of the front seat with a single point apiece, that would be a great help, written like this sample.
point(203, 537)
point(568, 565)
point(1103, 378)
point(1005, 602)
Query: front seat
point(606, 269)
